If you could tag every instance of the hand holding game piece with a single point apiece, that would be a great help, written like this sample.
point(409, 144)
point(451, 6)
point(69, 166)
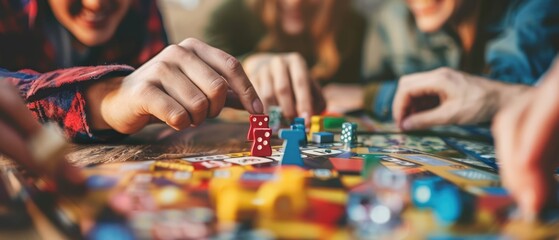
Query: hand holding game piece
point(446, 96)
point(284, 80)
point(526, 139)
point(181, 86)
point(25, 141)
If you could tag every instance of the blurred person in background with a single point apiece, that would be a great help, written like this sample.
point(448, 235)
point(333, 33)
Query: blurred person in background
point(290, 48)
point(511, 41)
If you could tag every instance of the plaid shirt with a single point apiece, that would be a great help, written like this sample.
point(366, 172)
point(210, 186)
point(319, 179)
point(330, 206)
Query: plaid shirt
point(58, 94)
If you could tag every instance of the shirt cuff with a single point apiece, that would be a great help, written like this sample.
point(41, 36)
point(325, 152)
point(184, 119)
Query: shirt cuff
point(379, 97)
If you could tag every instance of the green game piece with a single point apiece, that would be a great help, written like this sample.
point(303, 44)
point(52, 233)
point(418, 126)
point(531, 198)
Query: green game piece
point(370, 162)
point(333, 122)
point(275, 118)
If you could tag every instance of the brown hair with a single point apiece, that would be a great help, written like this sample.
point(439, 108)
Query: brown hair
point(321, 37)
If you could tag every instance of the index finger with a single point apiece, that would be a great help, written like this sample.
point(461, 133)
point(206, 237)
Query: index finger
point(401, 103)
point(415, 85)
point(301, 85)
point(232, 70)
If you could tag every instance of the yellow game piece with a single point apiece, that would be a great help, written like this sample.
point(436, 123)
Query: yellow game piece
point(317, 125)
point(224, 178)
point(350, 181)
point(284, 198)
point(235, 204)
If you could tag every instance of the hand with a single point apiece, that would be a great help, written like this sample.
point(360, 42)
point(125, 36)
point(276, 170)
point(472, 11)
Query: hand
point(283, 79)
point(526, 135)
point(18, 127)
point(446, 96)
point(181, 86)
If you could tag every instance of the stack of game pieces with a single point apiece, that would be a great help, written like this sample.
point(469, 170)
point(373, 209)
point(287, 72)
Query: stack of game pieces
point(260, 134)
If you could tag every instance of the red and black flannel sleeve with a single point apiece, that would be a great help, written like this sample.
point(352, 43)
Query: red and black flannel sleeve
point(59, 96)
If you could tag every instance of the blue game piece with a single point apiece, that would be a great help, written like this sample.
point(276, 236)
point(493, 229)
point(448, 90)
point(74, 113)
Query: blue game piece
point(323, 137)
point(291, 152)
point(299, 121)
point(300, 128)
point(423, 191)
point(451, 205)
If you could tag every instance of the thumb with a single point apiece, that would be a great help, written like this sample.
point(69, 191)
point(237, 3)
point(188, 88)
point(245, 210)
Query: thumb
point(426, 119)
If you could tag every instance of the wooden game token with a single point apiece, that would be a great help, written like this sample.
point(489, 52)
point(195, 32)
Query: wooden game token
point(333, 122)
point(322, 137)
point(235, 204)
point(291, 151)
point(317, 125)
point(224, 178)
point(284, 198)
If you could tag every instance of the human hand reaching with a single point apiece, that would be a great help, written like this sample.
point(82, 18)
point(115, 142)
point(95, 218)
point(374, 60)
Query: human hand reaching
point(283, 79)
point(181, 86)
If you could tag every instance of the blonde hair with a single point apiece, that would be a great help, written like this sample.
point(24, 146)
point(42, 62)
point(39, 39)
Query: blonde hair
point(323, 30)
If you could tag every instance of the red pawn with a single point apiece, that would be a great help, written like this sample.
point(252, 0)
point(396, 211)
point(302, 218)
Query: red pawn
point(261, 146)
point(257, 121)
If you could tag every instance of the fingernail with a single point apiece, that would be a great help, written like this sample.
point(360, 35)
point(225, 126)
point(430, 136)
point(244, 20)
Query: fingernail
point(257, 106)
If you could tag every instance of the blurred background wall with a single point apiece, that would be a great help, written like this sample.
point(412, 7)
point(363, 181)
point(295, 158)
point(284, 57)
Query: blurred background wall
point(188, 18)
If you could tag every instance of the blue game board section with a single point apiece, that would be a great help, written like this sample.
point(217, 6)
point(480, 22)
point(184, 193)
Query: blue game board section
point(291, 152)
point(428, 160)
point(479, 151)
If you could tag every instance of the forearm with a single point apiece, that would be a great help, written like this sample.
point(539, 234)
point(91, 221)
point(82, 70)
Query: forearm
point(60, 96)
point(500, 94)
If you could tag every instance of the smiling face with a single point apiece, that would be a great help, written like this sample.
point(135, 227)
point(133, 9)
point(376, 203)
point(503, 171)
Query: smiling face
point(431, 15)
point(92, 22)
point(296, 15)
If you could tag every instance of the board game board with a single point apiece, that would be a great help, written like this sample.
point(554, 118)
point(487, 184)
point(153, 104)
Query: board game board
point(360, 192)
point(388, 185)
